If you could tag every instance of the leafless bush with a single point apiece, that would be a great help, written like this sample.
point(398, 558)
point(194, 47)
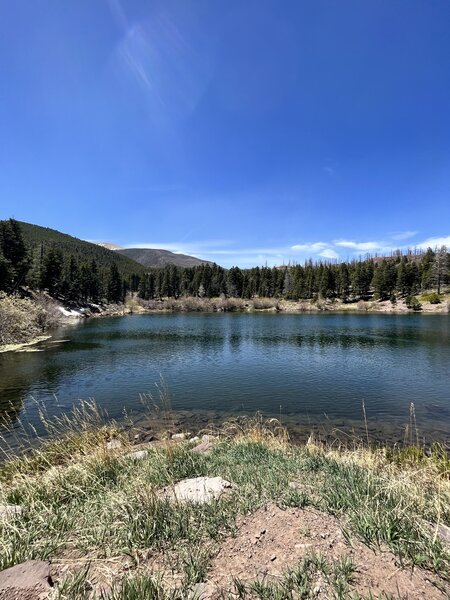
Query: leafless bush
point(230, 304)
point(18, 319)
point(48, 314)
point(265, 303)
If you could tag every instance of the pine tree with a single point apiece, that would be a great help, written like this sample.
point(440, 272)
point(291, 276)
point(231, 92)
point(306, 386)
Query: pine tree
point(115, 285)
point(52, 271)
point(440, 269)
point(15, 261)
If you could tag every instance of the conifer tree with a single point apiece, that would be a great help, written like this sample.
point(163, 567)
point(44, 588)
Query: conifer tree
point(115, 285)
point(52, 271)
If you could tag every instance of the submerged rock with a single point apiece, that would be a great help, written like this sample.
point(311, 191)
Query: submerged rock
point(30, 580)
point(200, 490)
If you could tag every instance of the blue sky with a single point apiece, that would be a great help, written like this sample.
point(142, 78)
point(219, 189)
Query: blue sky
point(243, 131)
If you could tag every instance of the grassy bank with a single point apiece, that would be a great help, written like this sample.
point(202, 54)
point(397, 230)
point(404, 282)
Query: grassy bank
point(191, 304)
point(298, 522)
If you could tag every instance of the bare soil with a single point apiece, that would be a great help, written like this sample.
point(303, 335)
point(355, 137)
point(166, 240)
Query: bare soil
point(271, 540)
point(267, 543)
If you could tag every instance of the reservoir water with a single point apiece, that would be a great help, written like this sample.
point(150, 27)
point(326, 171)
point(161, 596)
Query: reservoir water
point(310, 370)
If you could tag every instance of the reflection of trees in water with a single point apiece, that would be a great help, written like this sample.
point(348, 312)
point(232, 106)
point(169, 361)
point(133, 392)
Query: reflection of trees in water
point(18, 376)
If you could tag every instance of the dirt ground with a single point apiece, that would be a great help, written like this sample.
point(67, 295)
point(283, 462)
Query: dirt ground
point(271, 540)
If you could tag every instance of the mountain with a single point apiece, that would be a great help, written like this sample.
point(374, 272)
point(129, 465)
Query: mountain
point(37, 237)
point(109, 246)
point(153, 257)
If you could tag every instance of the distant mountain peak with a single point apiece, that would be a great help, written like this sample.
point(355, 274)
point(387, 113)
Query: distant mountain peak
point(155, 257)
point(109, 246)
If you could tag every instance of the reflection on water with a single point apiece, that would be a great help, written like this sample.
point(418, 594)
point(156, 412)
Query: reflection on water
point(306, 368)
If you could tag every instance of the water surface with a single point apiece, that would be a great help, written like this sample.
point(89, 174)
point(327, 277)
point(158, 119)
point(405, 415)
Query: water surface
point(308, 369)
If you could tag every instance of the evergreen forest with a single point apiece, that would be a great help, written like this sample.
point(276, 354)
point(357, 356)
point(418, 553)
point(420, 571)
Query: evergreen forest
point(76, 271)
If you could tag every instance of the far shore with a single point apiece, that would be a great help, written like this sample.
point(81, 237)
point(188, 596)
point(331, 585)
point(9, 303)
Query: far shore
point(134, 305)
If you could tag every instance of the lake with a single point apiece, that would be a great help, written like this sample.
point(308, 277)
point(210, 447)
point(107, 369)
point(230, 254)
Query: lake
point(313, 371)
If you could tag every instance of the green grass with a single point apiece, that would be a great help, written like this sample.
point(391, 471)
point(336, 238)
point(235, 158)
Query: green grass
point(82, 503)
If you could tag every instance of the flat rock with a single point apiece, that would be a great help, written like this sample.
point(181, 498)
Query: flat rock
point(203, 448)
point(8, 512)
point(114, 445)
point(138, 455)
point(200, 490)
point(202, 591)
point(30, 580)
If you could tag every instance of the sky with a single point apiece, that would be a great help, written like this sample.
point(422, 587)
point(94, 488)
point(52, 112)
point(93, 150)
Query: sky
point(247, 132)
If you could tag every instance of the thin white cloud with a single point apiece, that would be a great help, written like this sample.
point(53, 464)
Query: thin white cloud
point(360, 246)
point(402, 235)
point(329, 253)
point(314, 247)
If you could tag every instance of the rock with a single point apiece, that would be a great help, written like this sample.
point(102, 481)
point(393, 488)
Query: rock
point(179, 436)
point(138, 455)
point(195, 439)
point(202, 591)
point(9, 512)
point(114, 445)
point(444, 532)
point(30, 580)
point(209, 438)
point(200, 490)
point(203, 448)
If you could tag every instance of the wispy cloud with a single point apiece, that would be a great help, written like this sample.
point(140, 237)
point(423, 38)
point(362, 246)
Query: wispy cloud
point(313, 247)
point(330, 171)
point(360, 246)
point(329, 253)
point(402, 235)
point(434, 242)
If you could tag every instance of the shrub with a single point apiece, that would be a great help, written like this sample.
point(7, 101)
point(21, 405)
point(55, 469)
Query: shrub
point(432, 298)
point(22, 318)
point(413, 303)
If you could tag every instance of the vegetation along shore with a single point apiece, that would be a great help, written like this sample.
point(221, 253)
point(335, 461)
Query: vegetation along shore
point(48, 278)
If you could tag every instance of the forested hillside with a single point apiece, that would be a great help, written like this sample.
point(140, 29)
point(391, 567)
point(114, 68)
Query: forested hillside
point(66, 267)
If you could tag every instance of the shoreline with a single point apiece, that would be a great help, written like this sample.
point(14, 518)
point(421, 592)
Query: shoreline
point(195, 514)
point(22, 346)
point(191, 305)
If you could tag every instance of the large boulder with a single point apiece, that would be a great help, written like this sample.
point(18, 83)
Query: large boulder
point(30, 580)
point(199, 490)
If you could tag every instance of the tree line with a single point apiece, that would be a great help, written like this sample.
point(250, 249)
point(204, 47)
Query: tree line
point(382, 278)
point(75, 277)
